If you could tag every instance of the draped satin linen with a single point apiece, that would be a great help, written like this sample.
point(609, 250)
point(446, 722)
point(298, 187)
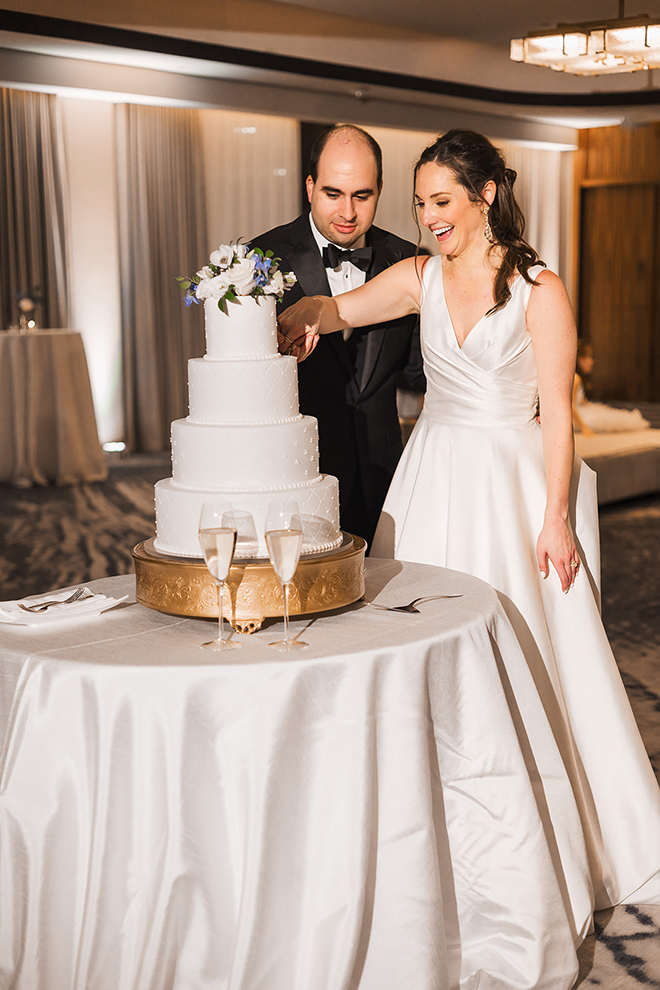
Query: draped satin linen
point(388, 809)
point(47, 423)
point(470, 494)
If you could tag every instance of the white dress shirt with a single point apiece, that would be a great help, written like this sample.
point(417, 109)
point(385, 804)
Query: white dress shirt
point(347, 276)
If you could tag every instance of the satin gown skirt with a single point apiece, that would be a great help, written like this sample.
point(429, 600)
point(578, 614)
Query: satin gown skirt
point(469, 494)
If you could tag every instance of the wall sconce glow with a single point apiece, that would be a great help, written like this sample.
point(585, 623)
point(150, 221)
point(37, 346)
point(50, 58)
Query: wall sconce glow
point(593, 49)
point(115, 446)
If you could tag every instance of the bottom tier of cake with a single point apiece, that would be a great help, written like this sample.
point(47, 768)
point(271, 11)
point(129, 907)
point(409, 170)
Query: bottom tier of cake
point(178, 511)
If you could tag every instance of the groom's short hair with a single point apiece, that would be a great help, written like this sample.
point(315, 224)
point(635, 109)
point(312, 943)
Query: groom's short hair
point(322, 140)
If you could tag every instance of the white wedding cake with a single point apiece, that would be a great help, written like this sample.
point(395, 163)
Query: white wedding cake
point(244, 440)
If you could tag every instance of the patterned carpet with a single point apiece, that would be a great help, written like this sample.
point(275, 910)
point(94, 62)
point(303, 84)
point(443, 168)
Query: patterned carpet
point(57, 536)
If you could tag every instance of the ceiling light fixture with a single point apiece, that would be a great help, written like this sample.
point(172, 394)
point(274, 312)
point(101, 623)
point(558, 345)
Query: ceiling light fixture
point(596, 48)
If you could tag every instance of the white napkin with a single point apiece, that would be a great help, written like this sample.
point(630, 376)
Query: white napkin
point(88, 607)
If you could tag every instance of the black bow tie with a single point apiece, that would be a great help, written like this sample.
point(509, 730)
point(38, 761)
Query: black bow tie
point(333, 257)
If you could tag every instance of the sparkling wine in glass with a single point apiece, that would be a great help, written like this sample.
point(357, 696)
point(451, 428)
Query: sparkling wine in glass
point(284, 537)
point(217, 537)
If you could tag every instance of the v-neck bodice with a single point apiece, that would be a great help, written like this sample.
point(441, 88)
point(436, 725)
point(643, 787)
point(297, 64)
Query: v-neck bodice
point(491, 379)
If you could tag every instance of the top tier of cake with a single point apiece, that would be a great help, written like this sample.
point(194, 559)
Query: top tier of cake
point(247, 331)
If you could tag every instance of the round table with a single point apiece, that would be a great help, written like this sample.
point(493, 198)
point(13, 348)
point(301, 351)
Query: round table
point(47, 424)
point(386, 810)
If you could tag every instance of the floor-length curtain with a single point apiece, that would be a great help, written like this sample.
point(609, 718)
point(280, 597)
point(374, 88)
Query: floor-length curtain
point(544, 189)
point(162, 232)
point(32, 209)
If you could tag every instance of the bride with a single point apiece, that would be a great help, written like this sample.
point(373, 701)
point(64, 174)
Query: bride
point(489, 483)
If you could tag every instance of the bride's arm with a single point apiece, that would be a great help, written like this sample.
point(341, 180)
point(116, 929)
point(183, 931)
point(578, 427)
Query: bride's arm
point(578, 422)
point(394, 293)
point(552, 327)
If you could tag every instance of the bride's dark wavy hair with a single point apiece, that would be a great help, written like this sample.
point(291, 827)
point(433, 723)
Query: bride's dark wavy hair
point(474, 161)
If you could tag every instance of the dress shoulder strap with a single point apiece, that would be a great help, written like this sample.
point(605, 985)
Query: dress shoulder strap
point(526, 288)
point(431, 273)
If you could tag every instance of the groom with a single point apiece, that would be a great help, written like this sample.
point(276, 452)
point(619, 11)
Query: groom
point(349, 382)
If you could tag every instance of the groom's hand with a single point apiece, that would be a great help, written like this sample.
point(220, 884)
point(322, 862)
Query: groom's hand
point(301, 346)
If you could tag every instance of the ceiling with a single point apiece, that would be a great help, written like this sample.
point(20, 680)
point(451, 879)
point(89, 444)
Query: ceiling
point(485, 21)
point(425, 64)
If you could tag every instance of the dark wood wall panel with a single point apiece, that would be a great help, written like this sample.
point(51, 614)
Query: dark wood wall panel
point(617, 299)
point(618, 179)
point(617, 154)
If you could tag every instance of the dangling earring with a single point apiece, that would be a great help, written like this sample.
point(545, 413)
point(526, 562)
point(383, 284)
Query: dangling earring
point(488, 232)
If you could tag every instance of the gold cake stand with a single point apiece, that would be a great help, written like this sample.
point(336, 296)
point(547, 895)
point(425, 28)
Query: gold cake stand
point(184, 586)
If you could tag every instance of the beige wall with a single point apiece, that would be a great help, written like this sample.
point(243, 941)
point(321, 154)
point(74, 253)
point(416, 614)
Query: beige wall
point(92, 249)
point(252, 164)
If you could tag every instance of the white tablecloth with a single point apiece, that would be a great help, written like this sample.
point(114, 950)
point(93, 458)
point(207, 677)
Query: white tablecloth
point(384, 811)
point(47, 425)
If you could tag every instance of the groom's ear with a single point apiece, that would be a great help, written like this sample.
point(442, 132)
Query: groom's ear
point(309, 185)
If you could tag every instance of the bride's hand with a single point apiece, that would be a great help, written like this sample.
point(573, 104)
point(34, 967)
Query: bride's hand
point(557, 546)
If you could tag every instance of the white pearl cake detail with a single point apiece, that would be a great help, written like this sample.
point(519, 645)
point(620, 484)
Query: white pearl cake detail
point(244, 440)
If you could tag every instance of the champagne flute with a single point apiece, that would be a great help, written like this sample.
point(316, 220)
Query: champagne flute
point(284, 537)
point(217, 537)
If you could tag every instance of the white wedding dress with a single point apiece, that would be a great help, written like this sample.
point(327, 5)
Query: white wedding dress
point(469, 494)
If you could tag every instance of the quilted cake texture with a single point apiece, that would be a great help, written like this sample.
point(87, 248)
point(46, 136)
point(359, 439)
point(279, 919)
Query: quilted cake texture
point(243, 391)
point(178, 512)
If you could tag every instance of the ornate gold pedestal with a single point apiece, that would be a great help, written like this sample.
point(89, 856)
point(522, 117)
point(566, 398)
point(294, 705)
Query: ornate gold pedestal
point(183, 585)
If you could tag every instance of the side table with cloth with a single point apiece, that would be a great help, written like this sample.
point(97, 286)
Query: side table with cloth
point(47, 425)
point(386, 810)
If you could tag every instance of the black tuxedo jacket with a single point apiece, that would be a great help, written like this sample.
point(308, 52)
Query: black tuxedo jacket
point(350, 387)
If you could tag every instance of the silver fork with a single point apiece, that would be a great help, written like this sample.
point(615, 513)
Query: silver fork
point(410, 607)
point(79, 595)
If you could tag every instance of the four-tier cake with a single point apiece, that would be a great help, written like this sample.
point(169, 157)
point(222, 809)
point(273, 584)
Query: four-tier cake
point(244, 440)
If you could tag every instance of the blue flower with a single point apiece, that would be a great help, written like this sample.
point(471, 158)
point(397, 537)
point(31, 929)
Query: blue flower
point(262, 264)
point(261, 267)
point(190, 296)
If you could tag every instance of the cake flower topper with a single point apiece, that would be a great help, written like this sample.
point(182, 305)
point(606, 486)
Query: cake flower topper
point(235, 271)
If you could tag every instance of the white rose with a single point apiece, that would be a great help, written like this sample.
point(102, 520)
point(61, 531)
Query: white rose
point(223, 256)
point(205, 272)
point(213, 288)
point(242, 277)
point(275, 286)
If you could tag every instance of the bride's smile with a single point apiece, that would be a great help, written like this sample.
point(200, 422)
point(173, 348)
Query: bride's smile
point(444, 206)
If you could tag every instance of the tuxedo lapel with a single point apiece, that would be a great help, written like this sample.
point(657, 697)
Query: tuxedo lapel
point(383, 257)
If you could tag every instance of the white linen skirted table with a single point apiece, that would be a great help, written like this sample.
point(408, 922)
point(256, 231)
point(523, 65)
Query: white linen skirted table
point(47, 425)
point(386, 810)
